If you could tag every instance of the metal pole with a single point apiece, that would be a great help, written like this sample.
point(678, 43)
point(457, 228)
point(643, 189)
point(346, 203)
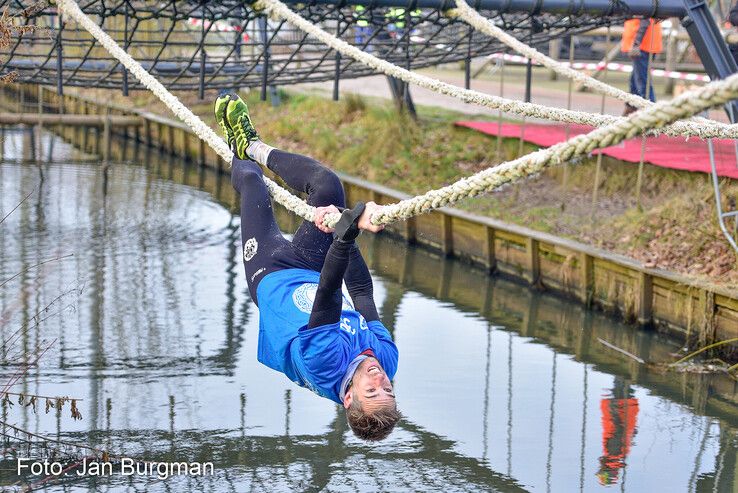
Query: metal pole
point(565, 178)
point(501, 61)
point(337, 73)
point(639, 179)
point(265, 66)
point(40, 127)
point(59, 66)
point(554, 51)
point(408, 66)
point(529, 63)
point(598, 168)
point(407, 100)
point(202, 54)
point(126, 44)
point(528, 79)
point(467, 61)
point(649, 89)
point(528, 84)
point(718, 204)
point(467, 73)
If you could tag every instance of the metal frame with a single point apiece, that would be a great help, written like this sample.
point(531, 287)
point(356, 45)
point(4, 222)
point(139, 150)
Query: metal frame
point(719, 64)
point(721, 215)
point(662, 9)
point(710, 45)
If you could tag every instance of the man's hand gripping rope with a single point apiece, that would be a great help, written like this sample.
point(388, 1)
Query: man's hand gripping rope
point(365, 222)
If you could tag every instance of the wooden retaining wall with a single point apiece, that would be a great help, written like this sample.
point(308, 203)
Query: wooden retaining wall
point(695, 312)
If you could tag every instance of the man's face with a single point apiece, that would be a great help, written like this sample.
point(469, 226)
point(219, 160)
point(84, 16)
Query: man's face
point(370, 386)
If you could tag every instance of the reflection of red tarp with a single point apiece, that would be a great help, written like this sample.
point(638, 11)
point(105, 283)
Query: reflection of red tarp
point(661, 150)
point(618, 428)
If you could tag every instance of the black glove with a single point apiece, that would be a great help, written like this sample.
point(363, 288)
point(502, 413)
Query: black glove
point(347, 228)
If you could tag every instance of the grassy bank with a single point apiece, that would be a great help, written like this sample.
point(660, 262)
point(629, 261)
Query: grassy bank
point(671, 224)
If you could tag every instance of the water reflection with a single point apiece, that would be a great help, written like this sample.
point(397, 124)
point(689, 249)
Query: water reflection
point(619, 416)
point(504, 389)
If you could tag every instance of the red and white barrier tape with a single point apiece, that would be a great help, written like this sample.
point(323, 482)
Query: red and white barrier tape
point(220, 26)
point(617, 67)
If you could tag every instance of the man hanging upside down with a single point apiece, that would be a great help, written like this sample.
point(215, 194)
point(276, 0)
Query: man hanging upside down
point(308, 329)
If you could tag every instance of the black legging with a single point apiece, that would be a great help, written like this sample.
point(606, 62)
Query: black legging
point(267, 251)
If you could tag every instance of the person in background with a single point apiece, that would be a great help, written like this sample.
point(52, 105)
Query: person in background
point(396, 18)
point(362, 31)
point(641, 38)
point(370, 33)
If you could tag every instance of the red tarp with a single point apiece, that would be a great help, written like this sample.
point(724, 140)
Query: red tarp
point(661, 150)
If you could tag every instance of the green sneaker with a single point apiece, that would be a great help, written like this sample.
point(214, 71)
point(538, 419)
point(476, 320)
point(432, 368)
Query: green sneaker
point(237, 117)
point(221, 104)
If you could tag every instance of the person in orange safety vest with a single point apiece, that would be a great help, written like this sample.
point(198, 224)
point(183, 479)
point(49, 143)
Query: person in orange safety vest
point(641, 37)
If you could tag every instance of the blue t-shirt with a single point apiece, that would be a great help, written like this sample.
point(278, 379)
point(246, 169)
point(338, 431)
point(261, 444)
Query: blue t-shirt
point(315, 358)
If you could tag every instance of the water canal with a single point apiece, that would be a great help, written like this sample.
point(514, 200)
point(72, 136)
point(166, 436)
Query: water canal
point(502, 388)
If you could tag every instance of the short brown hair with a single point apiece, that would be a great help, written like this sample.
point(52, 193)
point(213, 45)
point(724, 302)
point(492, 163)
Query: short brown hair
point(375, 426)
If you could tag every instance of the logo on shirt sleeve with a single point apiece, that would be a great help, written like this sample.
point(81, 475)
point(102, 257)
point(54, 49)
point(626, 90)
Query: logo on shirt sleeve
point(304, 296)
point(249, 249)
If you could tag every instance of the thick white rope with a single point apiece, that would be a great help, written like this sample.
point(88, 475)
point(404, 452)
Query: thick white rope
point(281, 12)
point(656, 116)
point(486, 26)
point(282, 196)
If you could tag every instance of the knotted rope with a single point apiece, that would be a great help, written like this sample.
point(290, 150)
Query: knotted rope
point(656, 116)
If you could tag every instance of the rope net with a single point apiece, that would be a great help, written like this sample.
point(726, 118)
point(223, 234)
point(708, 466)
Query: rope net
point(227, 44)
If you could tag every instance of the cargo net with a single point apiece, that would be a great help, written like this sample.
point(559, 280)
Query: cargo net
point(227, 44)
